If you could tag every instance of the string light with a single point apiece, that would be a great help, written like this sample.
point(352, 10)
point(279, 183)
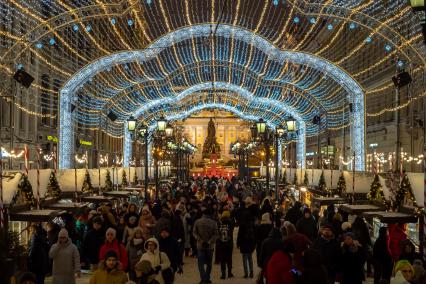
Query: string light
point(48, 157)
point(82, 159)
point(11, 154)
point(103, 160)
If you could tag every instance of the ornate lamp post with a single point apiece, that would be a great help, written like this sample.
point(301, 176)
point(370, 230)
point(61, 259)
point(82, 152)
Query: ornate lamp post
point(143, 132)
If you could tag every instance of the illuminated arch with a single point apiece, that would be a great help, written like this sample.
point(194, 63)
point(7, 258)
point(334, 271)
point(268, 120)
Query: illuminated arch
point(315, 62)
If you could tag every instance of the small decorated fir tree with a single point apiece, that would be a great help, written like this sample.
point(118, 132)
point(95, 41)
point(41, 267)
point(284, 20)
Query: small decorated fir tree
point(26, 190)
point(285, 181)
point(305, 179)
point(295, 179)
point(135, 178)
point(53, 188)
point(124, 179)
point(376, 191)
point(108, 182)
point(404, 194)
point(341, 185)
point(87, 183)
point(322, 186)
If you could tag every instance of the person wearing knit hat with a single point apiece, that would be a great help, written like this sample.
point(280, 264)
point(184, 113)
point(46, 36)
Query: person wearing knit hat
point(404, 272)
point(66, 260)
point(135, 249)
point(111, 243)
point(109, 271)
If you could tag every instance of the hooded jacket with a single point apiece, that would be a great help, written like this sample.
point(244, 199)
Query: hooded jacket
point(66, 261)
point(103, 276)
point(146, 222)
point(119, 249)
point(156, 259)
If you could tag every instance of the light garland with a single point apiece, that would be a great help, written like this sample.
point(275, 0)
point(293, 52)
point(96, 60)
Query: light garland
point(103, 160)
point(346, 163)
point(82, 159)
point(11, 154)
point(48, 157)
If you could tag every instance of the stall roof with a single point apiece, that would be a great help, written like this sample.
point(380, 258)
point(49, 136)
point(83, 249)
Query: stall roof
point(392, 217)
point(97, 199)
point(117, 194)
point(130, 189)
point(68, 206)
point(356, 209)
point(328, 200)
point(43, 215)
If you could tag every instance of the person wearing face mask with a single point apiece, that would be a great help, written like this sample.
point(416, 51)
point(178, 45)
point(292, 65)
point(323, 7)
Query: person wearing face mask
point(135, 249)
point(159, 260)
point(111, 243)
point(66, 260)
point(109, 271)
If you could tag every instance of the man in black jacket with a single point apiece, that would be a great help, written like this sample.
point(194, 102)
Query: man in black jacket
point(92, 243)
point(169, 245)
point(330, 251)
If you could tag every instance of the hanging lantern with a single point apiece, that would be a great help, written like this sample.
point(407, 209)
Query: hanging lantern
point(291, 125)
point(169, 131)
point(261, 126)
point(161, 124)
point(131, 124)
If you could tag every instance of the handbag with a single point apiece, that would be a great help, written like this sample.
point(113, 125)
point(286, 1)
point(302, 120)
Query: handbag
point(168, 274)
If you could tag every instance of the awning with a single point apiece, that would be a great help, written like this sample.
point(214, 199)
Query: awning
point(42, 215)
point(357, 209)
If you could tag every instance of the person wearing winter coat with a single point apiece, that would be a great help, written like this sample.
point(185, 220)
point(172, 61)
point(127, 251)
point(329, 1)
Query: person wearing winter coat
point(132, 210)
point(145, 273)
point(266, 207)
point(329, 249)
point(131, 224)
point(408, 251)
point(224, 244)
point(109, 271)
point(270, 245)
point(262, 231)
point(159, 260)
point(299, 241)
point(163, 222)
point(382, 259)
point(178, 231)
point(352, 261)
point(314, 271)
point(111, 243)
point(38, 259)
point(397, 233)
point(135, 249)
point(170, 246)
point(307, 225)
point(404, 273)
point(147, 222)
point(66, 260)
point(246, 241)
point(294, 214)
point(93, 242)
point(278, 268)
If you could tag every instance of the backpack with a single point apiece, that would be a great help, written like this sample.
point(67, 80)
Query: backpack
point(224, 234)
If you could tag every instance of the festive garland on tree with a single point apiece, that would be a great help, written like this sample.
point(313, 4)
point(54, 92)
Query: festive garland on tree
point(376, 191)
point(26, 189)
point(87, 183)
point(53, 188)
point(403, 192)
point(124, 182)
point(322, 186)
point(285, 182)
point(305, 179)
point(108, 182)
point(341, 185)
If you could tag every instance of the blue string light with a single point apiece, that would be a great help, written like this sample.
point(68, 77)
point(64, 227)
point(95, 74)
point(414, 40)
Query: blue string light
point(88, 28)
point(400, 63)
point(329, 27)
point(312, 20)
point(388, 47)
point(296, 20)
point(275, 2)
point(368, 40)
point(130, 22)
point(52, 41)
point(39, 45)
point(113, 21)
point(149, 2)
point(352, 26)
point(75, 28)
point(20, 66)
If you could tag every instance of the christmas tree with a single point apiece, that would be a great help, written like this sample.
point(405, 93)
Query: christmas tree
point(404, 194)
point(26, 190)
point(322, 186)
point(341, 185)
point(53, 187)
point(376, 191)
point(124, 182)
point(295, 179)
point(108, 182)
point(87, 183)
point(285, 182)
point(305, 179)
point(135, 178)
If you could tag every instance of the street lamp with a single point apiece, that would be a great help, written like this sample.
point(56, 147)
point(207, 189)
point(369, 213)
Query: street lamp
point(131, 124)
point(417, 5)
point(143, 132)
point(161, 124)
point(291, 125)
point(261, 126)
point(169, 131)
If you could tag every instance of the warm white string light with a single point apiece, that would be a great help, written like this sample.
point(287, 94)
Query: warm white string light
point(48, 157)
point(348, 162)
point(103, 160)
point(81, 160)
point(11, 154)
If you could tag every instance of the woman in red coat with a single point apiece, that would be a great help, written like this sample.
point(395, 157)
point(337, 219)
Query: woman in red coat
point(397, 233)
point(279, 267)
point(111, 243)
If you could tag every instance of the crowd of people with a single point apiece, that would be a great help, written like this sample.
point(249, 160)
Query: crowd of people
point(290, 244)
